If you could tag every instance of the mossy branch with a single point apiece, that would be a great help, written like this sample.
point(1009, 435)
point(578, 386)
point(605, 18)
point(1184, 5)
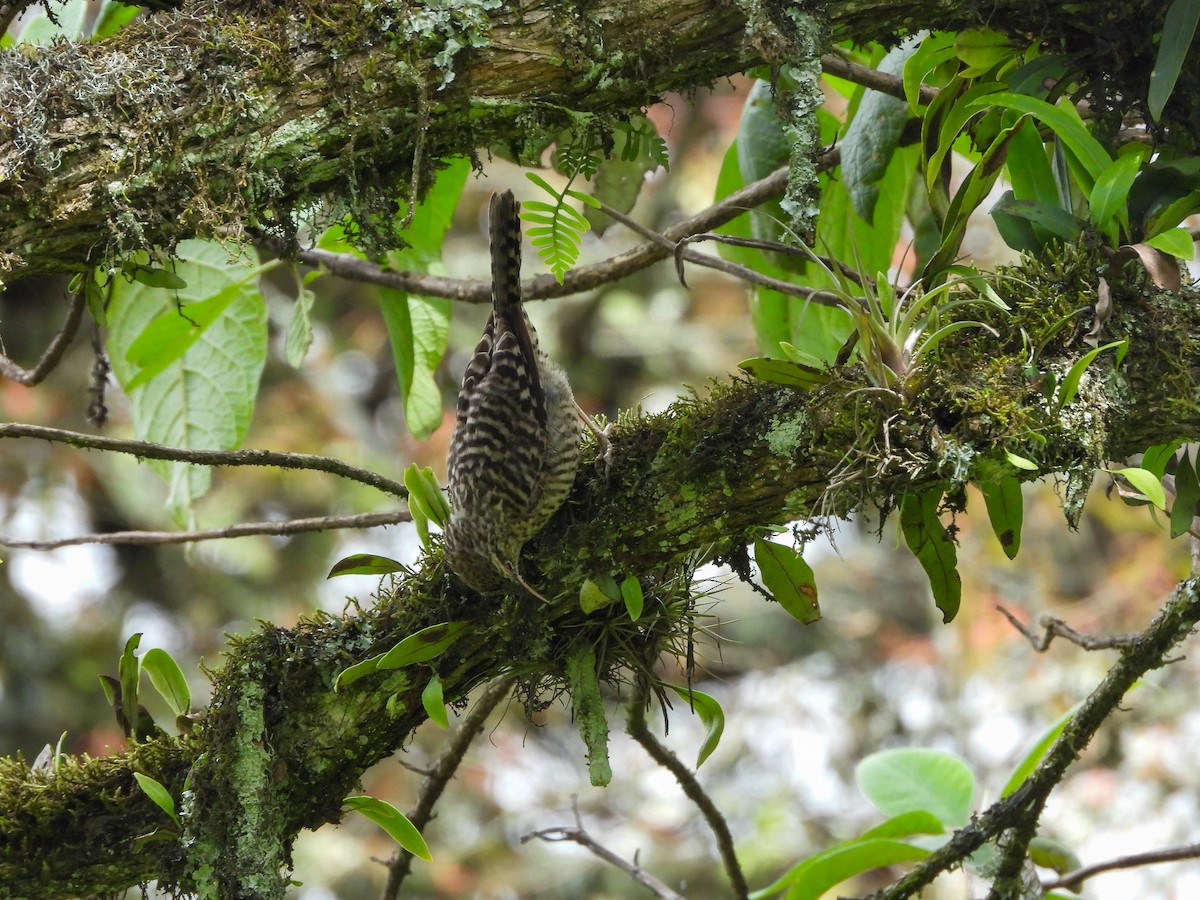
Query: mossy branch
point(279, 748)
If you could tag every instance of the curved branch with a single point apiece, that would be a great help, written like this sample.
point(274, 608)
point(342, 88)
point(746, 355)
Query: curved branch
point(54, 350)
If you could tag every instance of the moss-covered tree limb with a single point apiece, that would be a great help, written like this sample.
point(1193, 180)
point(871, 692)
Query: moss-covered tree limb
point(278, 748)
point(223, 117)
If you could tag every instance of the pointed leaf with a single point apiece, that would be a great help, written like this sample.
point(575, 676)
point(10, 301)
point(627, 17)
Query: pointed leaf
point(1070, 383)
point(935, 551)
point(1178, 242)
point(711, 716)
point(1037, 753)
point(391, 820)
point(1020, 462)
point(159, 794)
point(1187, 494)
point(1145, 483)
point(1005, 509)
point(435, 703)
point(422, 646)
point(635, 600)
point(785, 372)
point(364, 564)
point(1179, 31)
point(168, 680)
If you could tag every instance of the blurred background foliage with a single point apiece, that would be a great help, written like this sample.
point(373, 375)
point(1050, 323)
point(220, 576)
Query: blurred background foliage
point(803, 705)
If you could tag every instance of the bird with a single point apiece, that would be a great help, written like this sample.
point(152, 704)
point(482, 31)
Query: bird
point(516, 443)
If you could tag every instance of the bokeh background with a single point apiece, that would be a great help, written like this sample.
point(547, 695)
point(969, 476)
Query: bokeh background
point(803, 704)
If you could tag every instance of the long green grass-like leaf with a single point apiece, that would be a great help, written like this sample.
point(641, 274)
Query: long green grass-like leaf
point(1179, 31)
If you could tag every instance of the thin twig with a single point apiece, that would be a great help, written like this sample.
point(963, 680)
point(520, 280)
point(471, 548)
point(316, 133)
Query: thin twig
point(635, 725)
point(833, 64)
point(150, 450)
point(242, 529)
point(1072, 881)
point(579, 836)
point(54, 350)
point(1058, 628)
point(440, 775)
point(1149, 650)
point(582, 278)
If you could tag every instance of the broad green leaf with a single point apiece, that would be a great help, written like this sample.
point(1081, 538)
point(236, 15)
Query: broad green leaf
point(160, 795)
point(1051, 854)
point(170, 336)
point(1111, 192)
point(391, 820)
point(935, 551)
point(635, 600)
point(911, 779)
point(1065, 122)
point(828, 869)
point(1020, 462)
point(712, 717)
point(40, 29)
point(422, 646)
point(364, 564)
point(1037, 753)
point(1176, 241)
point(982, 48)
point(954, 120)
point(598, 593)
point(351, 674)
point(873, 135)
point(299, 329)
point(1179, 31)
point(434, 702)
point(113, 16)
point(168, 680)
point(1051, 218)
point(203, 399)
point(919, 821)
point(1156, 458)
point(1029, 169)
point(1005, 509)
point(1187, 494)
point(1145, 483)
point(937, 48)
point(789, 579)
point(1070, 383)
point(589, 713)
point(785, 372)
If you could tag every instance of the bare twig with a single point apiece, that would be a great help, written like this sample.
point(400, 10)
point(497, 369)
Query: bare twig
point(1058, 628)
point(438, 777)
point(243, 529)
point(1073, 880)
point(54, 350)
point(833, 64)
point(635, 725)
point(149, 450)
point(578, 836)
point(583, 278)
point(1147, 651)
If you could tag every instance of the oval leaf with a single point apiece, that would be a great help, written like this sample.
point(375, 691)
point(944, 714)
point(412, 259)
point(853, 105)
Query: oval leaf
point(434, 703)
point(789, 579)
point(1145, 483)
point(422, 646)
point(911, 779)
point(1005, 509)
point(635, 600)
point(159, 794)
point(391, 820)
point(364, 564)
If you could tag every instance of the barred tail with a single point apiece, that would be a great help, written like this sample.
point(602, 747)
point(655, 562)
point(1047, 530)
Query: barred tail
point(506, 252)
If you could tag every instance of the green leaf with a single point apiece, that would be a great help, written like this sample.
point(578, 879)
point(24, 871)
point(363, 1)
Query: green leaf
point(364, 564)
point(168, 680)
point(815, 876)
point(299, 329)
point(1145, 483)
point(635, 600)
point(1070, 383)
point(204, 398)
point(391, 820)
point(425, 494)
point(418, 329)
point(435, 703)
point(1051, 854)
point(937, 48)
point(1111, 192)
point(351, 674)
point(557, 229)
point(1029, 169)
point(1052, 218)
point(982, 48)
point(422, 646)
point(873, 135)
point(152, 276)
point(785, 372)
point(1187, 494)
point(159, 794)
point(1156, 458)
point(909, 779)
point(1037, 753)
point(712, 717)
point(918, 821)
point(129, 673)
point(1020, 462)
point(1005, 509)
point(1179, 30)
point(593, 597)
point(935, 551)
point(1176, 241)
point(589, 713)
point(1065, 122)
point(789, 579)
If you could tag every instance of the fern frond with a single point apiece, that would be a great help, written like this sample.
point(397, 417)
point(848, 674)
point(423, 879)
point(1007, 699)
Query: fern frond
point(557, 229)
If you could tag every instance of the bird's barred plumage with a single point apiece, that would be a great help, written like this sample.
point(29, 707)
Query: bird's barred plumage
point(516, 438)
